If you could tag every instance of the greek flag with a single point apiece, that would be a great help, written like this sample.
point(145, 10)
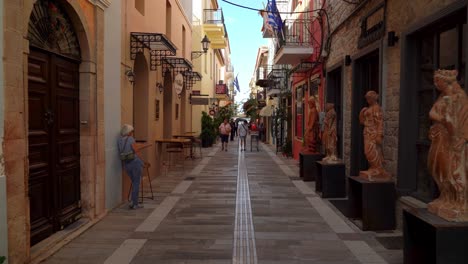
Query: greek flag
point(274, 18)
point(236, 84)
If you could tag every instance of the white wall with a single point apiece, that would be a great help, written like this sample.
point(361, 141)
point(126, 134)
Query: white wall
point(188, 8)
point(112, 111)
point(3, 202)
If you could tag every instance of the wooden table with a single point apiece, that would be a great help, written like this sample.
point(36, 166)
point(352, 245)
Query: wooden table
point(191, 138)
point(159, 144)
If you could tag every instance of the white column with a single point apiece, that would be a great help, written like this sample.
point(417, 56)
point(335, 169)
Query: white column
point(112, 110)
point(3, 202)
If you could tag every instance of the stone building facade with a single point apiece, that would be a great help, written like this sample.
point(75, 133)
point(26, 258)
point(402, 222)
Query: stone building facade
point(53, 144)
point(3, 197)
point(364, 55)
point(149, 102)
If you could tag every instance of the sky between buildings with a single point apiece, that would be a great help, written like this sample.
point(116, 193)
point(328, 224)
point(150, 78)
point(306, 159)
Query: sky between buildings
point(245, 36)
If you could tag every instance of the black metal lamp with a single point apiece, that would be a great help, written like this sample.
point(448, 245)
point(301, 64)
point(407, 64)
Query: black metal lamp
point(130, 76)
point(392, 38)
point(205, 45)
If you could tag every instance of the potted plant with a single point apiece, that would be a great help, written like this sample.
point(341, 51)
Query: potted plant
point(2, 259)
point(207, 134)
point(287, 149)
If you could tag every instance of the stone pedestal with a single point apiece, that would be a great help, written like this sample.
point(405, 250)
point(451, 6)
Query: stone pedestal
point(331, 179)
point(307, 165)
point(430, 239)
point(372, 202)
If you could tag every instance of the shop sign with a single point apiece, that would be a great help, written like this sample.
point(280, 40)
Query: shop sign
point(221, 89)
point(179, 83)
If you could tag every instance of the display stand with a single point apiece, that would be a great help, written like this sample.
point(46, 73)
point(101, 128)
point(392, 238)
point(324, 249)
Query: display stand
point(331, 179)
point(430, 239)
point(372, 202)
point(307, 165)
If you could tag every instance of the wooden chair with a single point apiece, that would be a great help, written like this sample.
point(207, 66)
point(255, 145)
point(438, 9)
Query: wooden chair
point(197, 143)
point(146, 167)
point(174, 149)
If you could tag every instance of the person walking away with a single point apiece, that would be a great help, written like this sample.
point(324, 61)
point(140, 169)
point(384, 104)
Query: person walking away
point(242, 131)
point(224, 130)
point(233, 129)
point(132, 163)
point(261, 131)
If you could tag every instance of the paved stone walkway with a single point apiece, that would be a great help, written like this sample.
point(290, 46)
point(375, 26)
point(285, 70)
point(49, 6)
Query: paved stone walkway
point(229, 207)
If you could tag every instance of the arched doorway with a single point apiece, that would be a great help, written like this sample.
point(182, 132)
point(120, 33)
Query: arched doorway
point(140, 98)
point(53, 118)
point(167, 130)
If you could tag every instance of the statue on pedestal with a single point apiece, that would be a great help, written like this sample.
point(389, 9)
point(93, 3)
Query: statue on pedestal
point(312, 134)
point(372, 119)
point(448, 154)
point(329, 136)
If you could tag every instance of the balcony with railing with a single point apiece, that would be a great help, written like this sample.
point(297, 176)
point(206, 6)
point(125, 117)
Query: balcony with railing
point(214, 27)
point(295, 43)
point(229, 72)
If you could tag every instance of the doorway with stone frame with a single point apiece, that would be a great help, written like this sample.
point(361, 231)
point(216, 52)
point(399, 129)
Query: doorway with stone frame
point(436, 42)
point(334, 94)
point(54, 172)
point(366, 77)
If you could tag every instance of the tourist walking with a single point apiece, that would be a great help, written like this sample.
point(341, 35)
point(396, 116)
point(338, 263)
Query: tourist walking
point(233, 129)
point(224, 130)
point(242, 132)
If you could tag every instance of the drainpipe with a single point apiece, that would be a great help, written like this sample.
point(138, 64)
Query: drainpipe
point(3, 197)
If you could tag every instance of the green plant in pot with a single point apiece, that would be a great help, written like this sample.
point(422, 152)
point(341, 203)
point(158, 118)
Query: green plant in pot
point(207, 134)
point(2, 259)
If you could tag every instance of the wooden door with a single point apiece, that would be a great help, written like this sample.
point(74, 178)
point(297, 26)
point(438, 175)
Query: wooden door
point(54, 153)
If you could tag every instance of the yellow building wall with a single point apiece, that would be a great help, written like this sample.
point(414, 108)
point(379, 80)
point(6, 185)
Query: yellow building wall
point(153, 20)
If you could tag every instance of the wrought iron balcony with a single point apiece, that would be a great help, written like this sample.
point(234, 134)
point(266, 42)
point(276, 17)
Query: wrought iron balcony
point(296, 41)
point(214, 27)
point(269, 75)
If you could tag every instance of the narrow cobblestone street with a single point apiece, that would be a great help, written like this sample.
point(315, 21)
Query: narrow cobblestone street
point(229, 207)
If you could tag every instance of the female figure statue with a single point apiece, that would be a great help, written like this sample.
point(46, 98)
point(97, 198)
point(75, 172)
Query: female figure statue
point(329, 137)
point(372, 119)
point(447, 159)
point(312, 136)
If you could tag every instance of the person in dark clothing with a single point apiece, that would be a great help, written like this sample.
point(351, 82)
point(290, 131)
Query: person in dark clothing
point(233, 129)
point(261, 131)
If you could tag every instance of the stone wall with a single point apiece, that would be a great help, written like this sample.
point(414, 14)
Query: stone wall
point(84, 16)
point(346, 29)
point(3, 198)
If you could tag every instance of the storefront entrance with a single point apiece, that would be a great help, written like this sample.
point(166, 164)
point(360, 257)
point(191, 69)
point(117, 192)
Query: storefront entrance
point(366, 77)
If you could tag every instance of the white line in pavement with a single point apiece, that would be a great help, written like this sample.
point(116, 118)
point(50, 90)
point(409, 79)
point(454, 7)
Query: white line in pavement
point(244, 251)
point(157, 216)
point(126, 252)
point(287, 170)
point(303, 188)
point(182, 187)
point(364, 253)
point(330, 217)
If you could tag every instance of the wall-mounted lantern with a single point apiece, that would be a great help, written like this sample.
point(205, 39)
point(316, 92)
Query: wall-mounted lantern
point(160, 86)
point(205, 45)
point(130, 76)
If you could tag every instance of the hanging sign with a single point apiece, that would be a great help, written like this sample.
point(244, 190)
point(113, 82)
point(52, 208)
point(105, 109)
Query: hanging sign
point(221, 89)
point(179, 83)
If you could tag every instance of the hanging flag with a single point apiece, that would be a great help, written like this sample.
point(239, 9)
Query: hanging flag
point(236, 83)
point(274, 18)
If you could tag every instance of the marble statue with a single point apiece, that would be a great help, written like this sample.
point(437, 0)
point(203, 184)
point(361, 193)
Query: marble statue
point(329, 136)
point(448, 155)
point(372, 119)
point(312, 134)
